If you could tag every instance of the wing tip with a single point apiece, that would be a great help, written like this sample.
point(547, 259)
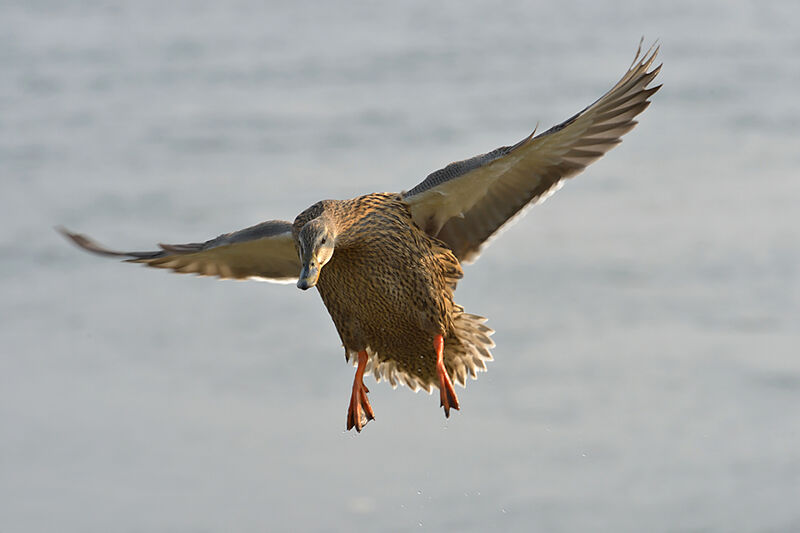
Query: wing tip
point(86, 243)
point(67, 234)
point(90, 245)
point(647, 58)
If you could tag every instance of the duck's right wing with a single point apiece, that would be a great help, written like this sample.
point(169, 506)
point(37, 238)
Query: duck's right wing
point(265, 252)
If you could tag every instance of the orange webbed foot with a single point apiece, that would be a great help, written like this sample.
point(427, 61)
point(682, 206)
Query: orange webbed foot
point(360, 411)
point(447, 393)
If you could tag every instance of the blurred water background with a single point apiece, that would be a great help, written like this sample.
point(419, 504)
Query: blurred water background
point(647, 375)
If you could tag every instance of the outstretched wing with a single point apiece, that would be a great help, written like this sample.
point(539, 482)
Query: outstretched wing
point(466, 202)
point(265, 251)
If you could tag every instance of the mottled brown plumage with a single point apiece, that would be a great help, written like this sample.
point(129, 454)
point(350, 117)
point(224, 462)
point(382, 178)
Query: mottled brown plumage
point(386, 264)
point(389, 290)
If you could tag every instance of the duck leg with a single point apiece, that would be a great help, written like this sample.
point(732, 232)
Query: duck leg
point(360, 411)
point(447, 394)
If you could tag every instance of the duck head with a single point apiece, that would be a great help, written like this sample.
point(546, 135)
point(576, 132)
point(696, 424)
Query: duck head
point(315, 242)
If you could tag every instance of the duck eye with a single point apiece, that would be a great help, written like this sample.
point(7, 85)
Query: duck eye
point(323, 241)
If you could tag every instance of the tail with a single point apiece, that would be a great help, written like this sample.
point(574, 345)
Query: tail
point(466, 344)
point(467, 351)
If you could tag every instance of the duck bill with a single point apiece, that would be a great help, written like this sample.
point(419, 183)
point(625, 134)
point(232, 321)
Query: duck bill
point(308, 277)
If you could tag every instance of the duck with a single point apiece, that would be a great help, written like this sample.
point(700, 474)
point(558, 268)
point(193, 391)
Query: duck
point(386, 265)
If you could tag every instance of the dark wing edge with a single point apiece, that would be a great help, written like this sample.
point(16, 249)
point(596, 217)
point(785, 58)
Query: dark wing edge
point(263, 252)
point(467, 202)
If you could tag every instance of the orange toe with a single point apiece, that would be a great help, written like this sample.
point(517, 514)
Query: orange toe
point(360, 411)
point(447, 393)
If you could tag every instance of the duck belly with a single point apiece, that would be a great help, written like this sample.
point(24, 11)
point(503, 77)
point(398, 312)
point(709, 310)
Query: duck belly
point(392, 303)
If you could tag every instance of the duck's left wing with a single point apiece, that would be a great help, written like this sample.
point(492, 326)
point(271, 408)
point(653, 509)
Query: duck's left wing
point(265, 251)
point(466, 202)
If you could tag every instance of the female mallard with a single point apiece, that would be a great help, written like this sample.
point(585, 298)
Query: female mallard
point(386, 264)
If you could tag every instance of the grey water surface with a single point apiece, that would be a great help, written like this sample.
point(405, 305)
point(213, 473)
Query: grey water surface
point(647, 372)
